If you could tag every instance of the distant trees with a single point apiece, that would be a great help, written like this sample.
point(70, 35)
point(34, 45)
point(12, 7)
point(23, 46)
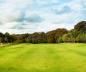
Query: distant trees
point(78, 34)
point(51, 36)
point(61, 35)
point(7, 37)
point(19, 38)
point(81, 26)
point(71, 36)
point(42, 38)
point(1, 38)
point(55, 35)
point(81, 38)
point(35, 38)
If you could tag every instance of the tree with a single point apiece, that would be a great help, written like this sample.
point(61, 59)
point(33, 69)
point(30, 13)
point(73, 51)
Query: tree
point(7, 37)
point(71, 36)
point(59, 33)
point(28, 39)
point(42, 37)
point(51, 36)
point(1, 37)
point(81, 38)
point(67, 38)
point(81, 26)
point(35, 37)
point(78, 34)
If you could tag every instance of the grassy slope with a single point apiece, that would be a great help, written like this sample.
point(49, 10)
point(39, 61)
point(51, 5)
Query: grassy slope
point(43, 58)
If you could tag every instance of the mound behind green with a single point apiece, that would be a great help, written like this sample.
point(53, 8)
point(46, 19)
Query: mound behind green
point(43, 58)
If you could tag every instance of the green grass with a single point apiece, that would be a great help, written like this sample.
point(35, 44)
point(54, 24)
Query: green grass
point(43, 58)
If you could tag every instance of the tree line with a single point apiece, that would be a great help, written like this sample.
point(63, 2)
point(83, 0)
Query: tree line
point(61, 35)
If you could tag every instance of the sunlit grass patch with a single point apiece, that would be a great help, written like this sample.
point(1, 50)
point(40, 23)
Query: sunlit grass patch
point(43, 58)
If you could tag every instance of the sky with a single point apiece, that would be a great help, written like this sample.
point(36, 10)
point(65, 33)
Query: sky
point(28, 16)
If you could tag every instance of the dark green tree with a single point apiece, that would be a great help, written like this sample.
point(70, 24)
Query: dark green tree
point(81, 26)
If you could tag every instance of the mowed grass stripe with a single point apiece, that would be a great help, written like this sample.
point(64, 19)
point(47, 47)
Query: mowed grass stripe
point(43, 58)
point(72, 59)
point(13, 52)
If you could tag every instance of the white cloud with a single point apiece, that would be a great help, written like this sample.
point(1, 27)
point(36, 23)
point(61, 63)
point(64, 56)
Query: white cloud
point(16, 16)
